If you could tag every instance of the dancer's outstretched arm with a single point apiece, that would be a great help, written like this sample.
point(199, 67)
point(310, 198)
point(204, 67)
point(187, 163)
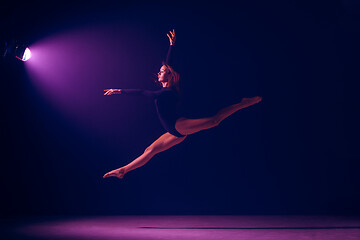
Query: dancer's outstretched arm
point(146, 93)
point(163, 143)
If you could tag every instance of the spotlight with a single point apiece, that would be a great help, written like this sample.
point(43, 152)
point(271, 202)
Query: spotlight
point(20, 51)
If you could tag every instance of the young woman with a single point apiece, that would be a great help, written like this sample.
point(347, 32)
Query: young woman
point(166, 101)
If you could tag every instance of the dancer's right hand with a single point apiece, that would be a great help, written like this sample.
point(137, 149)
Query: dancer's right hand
point(112, 91)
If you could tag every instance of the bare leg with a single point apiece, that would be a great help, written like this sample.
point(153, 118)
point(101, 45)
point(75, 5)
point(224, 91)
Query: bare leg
point(163, 143)
point(245, 102)
point(187, 126)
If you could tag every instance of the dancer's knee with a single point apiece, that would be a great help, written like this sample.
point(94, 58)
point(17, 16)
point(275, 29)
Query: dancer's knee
point(151, 150)
point(215, 121)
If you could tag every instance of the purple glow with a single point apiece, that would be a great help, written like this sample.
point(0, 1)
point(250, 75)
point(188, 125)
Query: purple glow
point(72, 78)
point(197, 227)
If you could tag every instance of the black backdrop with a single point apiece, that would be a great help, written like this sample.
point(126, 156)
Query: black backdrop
point(294, 153)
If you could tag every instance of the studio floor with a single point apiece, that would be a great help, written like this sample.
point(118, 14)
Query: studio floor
point(183, 227)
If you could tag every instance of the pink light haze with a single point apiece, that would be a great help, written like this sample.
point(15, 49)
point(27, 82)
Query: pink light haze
point(71, 69)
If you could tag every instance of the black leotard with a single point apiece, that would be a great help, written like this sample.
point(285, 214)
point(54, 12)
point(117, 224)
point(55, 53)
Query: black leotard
point(166, 101)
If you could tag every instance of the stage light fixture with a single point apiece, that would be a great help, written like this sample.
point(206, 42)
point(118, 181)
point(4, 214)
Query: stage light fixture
point(20, 51)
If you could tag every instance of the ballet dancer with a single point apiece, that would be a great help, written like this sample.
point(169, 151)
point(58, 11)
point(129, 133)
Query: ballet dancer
point(166, 102)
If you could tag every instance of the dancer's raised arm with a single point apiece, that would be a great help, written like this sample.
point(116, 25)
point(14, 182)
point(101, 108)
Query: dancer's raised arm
point(172, 38)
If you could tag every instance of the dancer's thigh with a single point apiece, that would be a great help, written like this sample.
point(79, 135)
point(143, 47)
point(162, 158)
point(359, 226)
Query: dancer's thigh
point(188, 126)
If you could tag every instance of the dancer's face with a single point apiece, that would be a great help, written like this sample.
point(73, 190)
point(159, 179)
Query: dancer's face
point(163, 74)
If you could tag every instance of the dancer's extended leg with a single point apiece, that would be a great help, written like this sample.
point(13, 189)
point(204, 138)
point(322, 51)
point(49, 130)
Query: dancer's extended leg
point(188, 126)
point(163, 143)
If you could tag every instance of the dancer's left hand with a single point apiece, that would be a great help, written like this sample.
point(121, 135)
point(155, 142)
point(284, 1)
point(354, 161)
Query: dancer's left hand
point(171, 37)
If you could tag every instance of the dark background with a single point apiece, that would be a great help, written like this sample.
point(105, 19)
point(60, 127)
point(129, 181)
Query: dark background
point(296, 152)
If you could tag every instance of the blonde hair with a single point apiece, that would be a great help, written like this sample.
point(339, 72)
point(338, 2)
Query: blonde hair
point(174, 78)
